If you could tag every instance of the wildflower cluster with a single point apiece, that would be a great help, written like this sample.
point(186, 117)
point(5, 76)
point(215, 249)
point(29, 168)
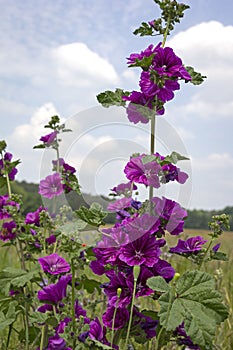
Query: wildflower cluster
point(71, 295)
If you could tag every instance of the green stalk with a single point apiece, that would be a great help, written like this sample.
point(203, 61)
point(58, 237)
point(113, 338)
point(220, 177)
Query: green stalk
point(119, 290)
point(166, 32)
point(42, 340)
point(73, 302)
point(136, 272)
point(7, 176)
point(206, 252)
point(9, 336)
point(152, 151)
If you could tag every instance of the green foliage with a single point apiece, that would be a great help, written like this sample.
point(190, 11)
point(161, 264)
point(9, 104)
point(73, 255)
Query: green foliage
point(173, 158)
point(93, 216)
point(194, 301)
point(15, 278)
point(197, 78)
point(111, 98)
point(171, 13)
point(9, 317)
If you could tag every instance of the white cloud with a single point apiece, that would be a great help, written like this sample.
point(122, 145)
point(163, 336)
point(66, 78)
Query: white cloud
point(77, 62)
point(208, 47)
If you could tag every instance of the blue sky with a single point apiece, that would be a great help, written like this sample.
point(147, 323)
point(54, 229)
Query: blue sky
point(57, 55)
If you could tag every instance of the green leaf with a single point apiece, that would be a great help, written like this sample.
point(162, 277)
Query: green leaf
point(158, 284)
point(100, 345)
point(111, 98)
point(39, 317)
point(148, 158)
point(197, 78)
point(173, 158)
point(143, 30)
point(39, 146)
point(10, 317)
point(93, 216)
point(144, 63)
point(16, 278)
point(219, 256)
point(195, 302)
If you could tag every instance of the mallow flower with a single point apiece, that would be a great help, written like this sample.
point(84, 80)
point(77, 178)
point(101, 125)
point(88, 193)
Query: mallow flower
point(51, 186)
point(191, 246)
point(54, 264)
point(54, 293)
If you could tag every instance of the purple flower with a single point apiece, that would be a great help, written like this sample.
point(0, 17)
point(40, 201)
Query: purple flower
point(122, 317)
point(51, 239)
point(56, 343)
point(216, 247)
point(5, 202)
point(164, 269)
point(150, 50)
point(62, 325)
point(96, 331)
point(44, 308)
point(51, 186)
point(49, 138)
point(120, 204)
point(140, 107)
point(165, 62)
point(171, 173)
point(119, 280)
point(34, 217)
point(54, 264)
point(150, 89)
point(145, 324)
point(184, 339)
point(191, 246)
point(170, 214)
point(79, 311)
point(147, 174)
point(7, 159)
point(54, 293)
point(124, 188)
point(145, 250)
point(8, 231)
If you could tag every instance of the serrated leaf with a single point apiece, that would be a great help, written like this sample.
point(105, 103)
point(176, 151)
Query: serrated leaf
point(195, 302)
point(197, 78)
point(158, 284)
point(112, 98)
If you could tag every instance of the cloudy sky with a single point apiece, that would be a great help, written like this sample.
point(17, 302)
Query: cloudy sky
point(56, 56)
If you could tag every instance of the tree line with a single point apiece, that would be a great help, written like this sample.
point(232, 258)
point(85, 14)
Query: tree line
point(197, 218)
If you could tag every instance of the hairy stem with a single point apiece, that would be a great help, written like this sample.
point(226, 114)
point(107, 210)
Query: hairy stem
point(73, 302)
point(152, 151)
point(166, 32)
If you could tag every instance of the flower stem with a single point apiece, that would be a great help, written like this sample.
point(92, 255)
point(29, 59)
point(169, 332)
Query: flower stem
point(42, 340)
point(152, 151)
point(206, 252)
point(73, 302)
point(114, 315)
point(136, 274)
point(166, 32)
